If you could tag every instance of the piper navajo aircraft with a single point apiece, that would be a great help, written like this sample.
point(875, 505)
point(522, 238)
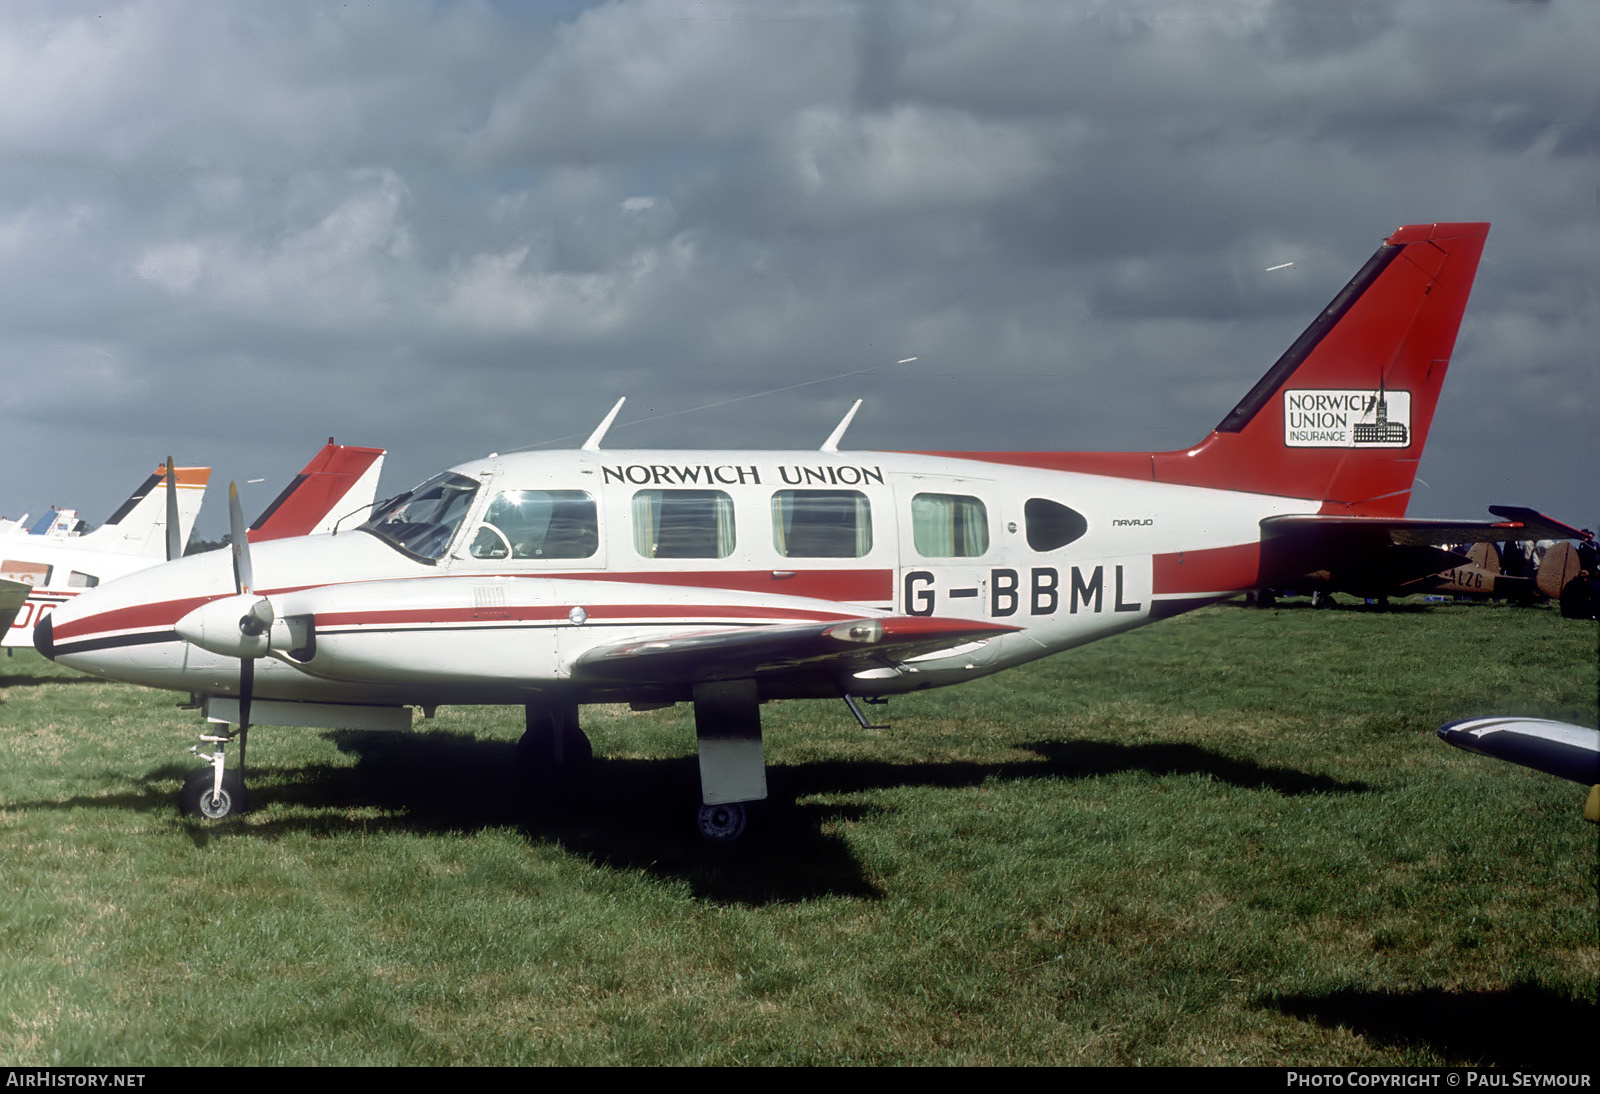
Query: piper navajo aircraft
point(730, 578)
point(339, 481)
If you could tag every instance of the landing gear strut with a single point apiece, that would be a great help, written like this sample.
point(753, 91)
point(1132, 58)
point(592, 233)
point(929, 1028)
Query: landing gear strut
point(727, 724)
point(553, 748)
point(727, 719)
point(214, 793)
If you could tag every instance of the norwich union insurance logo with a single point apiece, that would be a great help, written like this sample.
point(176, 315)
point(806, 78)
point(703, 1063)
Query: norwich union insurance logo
point(1347, 419)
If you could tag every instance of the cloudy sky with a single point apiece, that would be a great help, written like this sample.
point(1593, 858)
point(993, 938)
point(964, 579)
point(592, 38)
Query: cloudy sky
point(229, 230)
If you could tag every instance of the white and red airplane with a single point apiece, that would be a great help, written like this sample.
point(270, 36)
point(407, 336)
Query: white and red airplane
point(52, 562)
point(59, 565)
point(557, 579)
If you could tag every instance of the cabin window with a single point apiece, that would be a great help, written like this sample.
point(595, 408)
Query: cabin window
point(821, 523)
point(949, 526)
point(423, 521)
point(79, 580)
point(538, 524)
point(683, 524)
point(28, 573)
point(1051, 524)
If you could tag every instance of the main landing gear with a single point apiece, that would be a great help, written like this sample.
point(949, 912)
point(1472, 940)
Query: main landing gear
point(552, 749)
point(727, 718)
point(733, 769)
point(213, 792)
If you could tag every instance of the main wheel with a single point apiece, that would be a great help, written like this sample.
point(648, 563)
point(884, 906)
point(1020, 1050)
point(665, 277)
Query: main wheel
point(722, 823)
point(198, 798)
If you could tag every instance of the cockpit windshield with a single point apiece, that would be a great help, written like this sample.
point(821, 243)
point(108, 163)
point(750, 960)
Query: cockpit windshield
point(424, 521)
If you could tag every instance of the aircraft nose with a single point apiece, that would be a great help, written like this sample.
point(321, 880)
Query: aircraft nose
point(44, 638)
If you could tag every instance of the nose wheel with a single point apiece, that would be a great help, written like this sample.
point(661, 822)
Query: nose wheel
point(201, 797)
point(214, 792)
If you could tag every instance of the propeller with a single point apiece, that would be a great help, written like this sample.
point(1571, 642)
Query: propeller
point(174, 534)
point(257, 619)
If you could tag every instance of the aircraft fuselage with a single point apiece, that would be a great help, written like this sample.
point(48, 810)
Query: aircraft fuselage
point(549, 554)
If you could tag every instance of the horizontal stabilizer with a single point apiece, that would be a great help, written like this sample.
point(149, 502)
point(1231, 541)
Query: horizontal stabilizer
point(1388, 550)
point(753, 652)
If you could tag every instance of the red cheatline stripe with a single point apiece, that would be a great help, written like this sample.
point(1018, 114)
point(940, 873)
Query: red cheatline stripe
point(1210, 570)
point(139, 616)
point(850, 586)
point(547, 613)
point(843, 585)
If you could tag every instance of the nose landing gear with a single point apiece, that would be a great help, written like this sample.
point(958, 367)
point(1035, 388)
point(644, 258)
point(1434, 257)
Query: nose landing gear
point(215, 793)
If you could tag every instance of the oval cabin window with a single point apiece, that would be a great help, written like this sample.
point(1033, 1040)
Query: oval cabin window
point(1052, 525)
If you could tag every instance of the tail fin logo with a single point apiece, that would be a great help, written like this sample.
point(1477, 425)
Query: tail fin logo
point(1347, 419)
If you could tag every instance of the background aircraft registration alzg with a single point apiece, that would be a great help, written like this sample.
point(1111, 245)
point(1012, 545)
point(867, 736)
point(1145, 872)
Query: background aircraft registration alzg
point(727, 579)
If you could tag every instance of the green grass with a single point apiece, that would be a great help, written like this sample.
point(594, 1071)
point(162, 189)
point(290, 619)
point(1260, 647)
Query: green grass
point(1229, 838)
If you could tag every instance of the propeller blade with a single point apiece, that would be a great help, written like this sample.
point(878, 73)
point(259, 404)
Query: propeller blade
point(243, 577)
point(247, 686)
point(174, 534)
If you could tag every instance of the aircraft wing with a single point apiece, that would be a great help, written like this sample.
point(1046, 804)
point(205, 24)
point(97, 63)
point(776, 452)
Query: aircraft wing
point(1556, 748)
point(752, 652)
point(1385, 551)
point(13, 594)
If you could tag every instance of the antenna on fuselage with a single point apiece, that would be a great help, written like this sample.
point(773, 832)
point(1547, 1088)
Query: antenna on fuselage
point(832, 443)
point(593, 443)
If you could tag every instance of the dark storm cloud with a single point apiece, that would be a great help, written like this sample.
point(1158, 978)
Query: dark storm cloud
point(450, 228)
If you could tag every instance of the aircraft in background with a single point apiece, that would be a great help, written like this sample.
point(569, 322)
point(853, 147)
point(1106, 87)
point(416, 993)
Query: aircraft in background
point(1570, 574)
point(340, 482)
point(731, 578)
point(56, 560)
point(61, 564)
point(13, 595)
point(1477, 569)
point(1414, 569)
point(1556, 748)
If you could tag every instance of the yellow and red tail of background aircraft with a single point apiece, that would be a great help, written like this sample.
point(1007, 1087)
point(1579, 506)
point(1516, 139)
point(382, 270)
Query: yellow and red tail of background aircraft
point(42, 572)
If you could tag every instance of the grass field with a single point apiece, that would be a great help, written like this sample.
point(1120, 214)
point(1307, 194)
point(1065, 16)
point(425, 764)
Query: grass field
point(1228, 838)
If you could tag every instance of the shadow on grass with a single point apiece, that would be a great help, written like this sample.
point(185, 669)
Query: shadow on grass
point(31, 681)
point(1304, 605)
point(1522, 1026)
point(639, 814)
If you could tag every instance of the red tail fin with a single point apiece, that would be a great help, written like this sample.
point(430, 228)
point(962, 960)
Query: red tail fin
point(1343, 415)
point(339, 480)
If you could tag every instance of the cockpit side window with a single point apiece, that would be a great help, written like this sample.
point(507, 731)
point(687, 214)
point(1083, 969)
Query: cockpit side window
point(423, 522)
point(538, 524)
